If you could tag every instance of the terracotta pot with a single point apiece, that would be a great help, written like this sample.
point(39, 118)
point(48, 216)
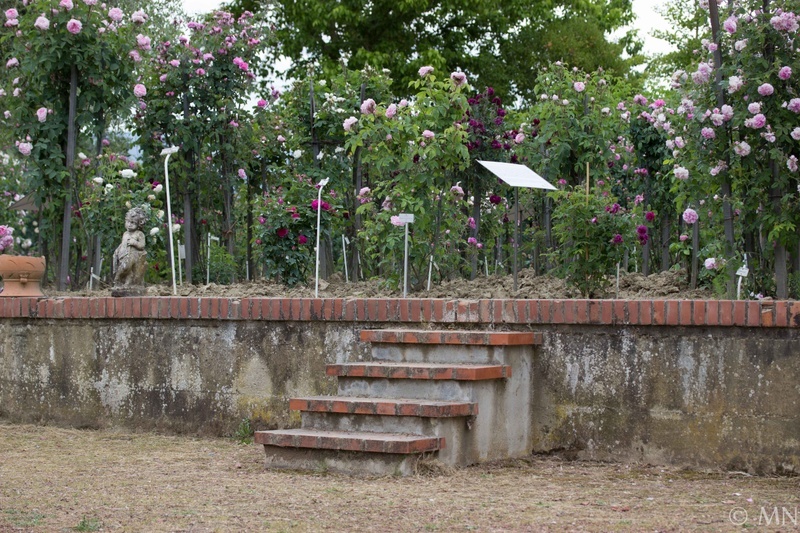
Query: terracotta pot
point(22, 275)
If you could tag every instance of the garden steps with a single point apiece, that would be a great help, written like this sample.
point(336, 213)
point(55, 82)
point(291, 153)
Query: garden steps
point(432, 371)
point(383, 406)
point(458, 397)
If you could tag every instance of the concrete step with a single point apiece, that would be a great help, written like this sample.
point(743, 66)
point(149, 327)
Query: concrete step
point(420, 371)
point(471, 338)
point(453, 347)
point(392, 443)
point(383, 406)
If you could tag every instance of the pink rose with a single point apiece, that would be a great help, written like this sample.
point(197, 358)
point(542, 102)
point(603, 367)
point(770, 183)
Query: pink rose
point(690, 216)
point(579, 86)
point(139, 90)
point(115, 14)
point(143, 42)
point(348, 123)
point(12, 14)
point(428, 134)
point(66, 4)
point(765, 89)
point(785, 73)
point(74, 26)
point(25, 148)
point(368, 106)
point(391, 111)
point(424, 71)
point(459, 78)
point(41, 114)
point(42, 23)
point(13, 62)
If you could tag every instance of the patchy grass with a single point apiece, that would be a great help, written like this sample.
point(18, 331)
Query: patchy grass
point(74, 480)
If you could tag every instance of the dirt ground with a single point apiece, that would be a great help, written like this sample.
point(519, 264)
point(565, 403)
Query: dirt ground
point(663, 285)
point(55, 479)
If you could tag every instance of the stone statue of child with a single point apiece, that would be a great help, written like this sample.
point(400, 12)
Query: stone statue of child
point(130, 257)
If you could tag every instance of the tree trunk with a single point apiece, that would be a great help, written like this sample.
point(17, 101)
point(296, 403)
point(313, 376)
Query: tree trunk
point(780, 253)
point(727, 210)
point(355, 261)
point(665, 231)
point(188, 212)
point(695, 252)
point(66, 237)
point(249, 252)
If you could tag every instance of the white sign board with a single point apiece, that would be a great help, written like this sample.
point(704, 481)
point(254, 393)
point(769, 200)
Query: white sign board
point(517, 175)
point(406, 218)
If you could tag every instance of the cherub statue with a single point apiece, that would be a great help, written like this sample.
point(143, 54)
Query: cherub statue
point(130, 257)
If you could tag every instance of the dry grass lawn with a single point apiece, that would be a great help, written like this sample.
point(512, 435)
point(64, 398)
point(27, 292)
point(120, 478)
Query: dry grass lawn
point(55, 479)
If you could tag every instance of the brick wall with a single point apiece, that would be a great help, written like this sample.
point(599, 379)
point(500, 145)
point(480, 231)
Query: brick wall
point(781, 314)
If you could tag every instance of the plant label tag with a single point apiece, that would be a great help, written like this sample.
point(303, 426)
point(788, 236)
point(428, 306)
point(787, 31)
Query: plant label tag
point(406, 218)
point(743, 271)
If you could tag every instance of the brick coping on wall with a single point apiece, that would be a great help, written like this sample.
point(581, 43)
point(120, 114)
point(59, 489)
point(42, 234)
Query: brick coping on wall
point(764, 313)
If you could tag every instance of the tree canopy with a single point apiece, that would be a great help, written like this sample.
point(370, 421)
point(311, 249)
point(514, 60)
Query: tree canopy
point(498, 44)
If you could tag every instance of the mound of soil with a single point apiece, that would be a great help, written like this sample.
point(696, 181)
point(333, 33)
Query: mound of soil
point(662, 285)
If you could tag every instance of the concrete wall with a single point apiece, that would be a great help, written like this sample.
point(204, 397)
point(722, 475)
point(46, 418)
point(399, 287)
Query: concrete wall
point(695, 386)
point(703, 397)
point(182, 376)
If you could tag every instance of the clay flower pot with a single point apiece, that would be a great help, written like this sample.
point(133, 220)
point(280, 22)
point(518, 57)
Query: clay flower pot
point(22, 275)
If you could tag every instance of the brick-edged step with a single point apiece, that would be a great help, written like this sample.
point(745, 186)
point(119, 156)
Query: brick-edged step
point(393, 443)
point(471, 338)
point(430, 371)
point(383, 406)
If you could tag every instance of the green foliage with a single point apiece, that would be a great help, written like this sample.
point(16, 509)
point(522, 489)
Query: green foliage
point(221, 266)
point(497, 44)
point(88, 524)
point(594, 232)
point(285, 235)
point(244, 433)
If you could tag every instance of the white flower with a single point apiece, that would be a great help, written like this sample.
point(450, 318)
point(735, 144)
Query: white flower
point(151, 197)
point(160, 214)
point(81, 156)
point(320, 155)
point(127, 173)
point(176, 228)
point(158, 188)
point(154, 231)
point(297, 154)
point(98, 180)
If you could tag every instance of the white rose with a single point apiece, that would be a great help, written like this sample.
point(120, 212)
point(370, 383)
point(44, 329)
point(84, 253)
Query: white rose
point(160, 213)
point(151, 197)
point(127, 173)
point(154, 231)
point(158, 188)
point(98, 180)
point(297, 154)
point(176, 228)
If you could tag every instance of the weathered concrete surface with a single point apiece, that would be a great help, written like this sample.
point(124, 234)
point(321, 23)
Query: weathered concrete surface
point(723, 397)
point(703, 397)
point(183, 376)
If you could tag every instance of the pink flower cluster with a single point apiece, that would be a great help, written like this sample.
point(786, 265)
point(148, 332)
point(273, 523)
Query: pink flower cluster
point(6, 238)
point(690, 216)
point(368, 106)
point(459, 78)
point(786, 21)
point(349, 122)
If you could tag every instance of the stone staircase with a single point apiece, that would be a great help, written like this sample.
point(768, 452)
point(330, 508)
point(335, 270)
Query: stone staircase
point(459, 397)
